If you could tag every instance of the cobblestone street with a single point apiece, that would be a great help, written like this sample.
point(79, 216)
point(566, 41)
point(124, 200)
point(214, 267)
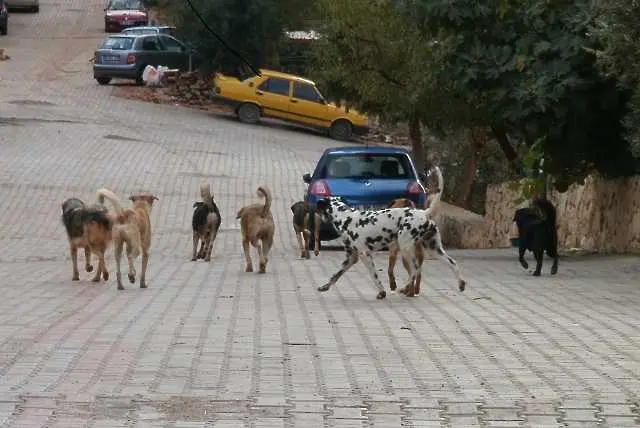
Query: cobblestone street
point(208, 345)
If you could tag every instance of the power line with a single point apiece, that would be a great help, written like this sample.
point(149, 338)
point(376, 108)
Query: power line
point(233, 51)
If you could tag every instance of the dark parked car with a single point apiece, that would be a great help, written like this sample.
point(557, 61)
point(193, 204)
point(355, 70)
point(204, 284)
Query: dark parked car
point(125, 57)
point(366, 178)
point(4, 18)
point(120, 14)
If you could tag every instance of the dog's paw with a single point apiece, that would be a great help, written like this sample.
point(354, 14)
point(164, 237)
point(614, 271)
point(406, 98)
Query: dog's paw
point(262, 268)
point(249, 269)
point(536, 273)
point(105, 275)
point(524, 264)
point(89, 268)
point(462, 284)
point(132, 278)
point(95, 279)
point(120, 287)
point(143, 285)
point(207, 259)
point(316, 252)
point(554, 270)
point(75, 277)
point(381, 295)
point(194, 259)
point(324, 287)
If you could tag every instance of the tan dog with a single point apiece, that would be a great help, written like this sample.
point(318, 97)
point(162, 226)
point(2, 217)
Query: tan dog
point(411, 289)
point(88, 227)
point(133, 228)
point(301, 210)
point(258, 229)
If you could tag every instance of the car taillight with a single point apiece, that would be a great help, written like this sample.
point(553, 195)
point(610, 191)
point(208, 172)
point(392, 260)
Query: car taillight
point(320, 188)
point(415, 188)
point(131, 59)
point(3, 8)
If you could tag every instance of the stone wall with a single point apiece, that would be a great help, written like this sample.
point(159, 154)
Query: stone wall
point(601, 215)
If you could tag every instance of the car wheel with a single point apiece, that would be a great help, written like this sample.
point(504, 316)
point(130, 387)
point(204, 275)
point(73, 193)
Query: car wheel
point(103, 80)
point(341, 130)
point(3, 31)
point(249, 113)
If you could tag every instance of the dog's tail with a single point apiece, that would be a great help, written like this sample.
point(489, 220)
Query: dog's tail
point(205, 194)
point(266, 194)
point(111, 197)
point(439, 190)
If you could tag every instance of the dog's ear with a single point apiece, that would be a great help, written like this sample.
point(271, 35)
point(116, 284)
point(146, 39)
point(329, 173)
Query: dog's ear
point(322, 204)
point(293, 208)
point(132, 198)
point(390, 204)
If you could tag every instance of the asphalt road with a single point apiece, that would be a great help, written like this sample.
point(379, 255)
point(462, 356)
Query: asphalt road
point(207, 345)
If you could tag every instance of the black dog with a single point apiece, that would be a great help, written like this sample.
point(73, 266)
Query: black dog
point(538, 233)
point(205, 223)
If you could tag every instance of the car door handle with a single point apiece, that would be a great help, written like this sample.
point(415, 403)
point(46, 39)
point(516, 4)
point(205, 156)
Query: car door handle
point(294, 101)
point(259, 93)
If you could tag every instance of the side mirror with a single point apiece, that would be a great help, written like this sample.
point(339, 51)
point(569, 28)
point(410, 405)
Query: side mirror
point(422, 176)
point(307, 178)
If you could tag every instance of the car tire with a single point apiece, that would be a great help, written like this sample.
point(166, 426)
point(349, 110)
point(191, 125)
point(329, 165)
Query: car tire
point(341, 130)
point(249, 113)
point(103, 80)
point(3, 31)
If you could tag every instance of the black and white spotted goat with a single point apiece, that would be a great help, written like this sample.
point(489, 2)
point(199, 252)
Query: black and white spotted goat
point(364, 232)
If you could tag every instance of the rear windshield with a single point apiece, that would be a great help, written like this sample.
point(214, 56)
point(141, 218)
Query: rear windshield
point(124, 5)
point(367, 165)
point(117, 43)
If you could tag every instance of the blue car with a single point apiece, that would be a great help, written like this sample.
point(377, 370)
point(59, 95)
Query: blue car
point(368, 178)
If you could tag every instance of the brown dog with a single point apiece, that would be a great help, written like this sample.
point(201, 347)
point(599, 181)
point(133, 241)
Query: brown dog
point(411, 289)
point(300, 212)
point(258, 229)
point(88, 227)
point(133, 228)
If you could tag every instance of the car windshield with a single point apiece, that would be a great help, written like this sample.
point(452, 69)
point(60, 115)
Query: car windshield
point(117, 43)
point(367, 165)
point(124, 4)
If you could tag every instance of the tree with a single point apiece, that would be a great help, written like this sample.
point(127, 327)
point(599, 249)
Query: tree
point(370, 55)
point(618, 27)
point(527, 67)
point(253, 28)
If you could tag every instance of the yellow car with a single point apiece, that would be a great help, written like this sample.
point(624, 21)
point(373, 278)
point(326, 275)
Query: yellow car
point(287, 97)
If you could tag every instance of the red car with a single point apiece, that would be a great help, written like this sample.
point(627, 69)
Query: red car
point(120, 14)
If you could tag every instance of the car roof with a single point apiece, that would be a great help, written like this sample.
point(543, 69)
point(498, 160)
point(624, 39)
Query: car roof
point(273, 73)
point(366, 149)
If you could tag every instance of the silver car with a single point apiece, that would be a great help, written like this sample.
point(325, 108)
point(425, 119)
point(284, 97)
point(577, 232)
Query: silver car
point(125, 56)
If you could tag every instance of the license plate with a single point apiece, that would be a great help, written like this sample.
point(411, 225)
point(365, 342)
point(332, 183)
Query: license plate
point(110, 58)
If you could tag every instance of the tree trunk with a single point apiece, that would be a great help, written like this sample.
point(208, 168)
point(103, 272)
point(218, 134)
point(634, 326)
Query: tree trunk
point(470, 166)
point(512, 157)
point(417, 146)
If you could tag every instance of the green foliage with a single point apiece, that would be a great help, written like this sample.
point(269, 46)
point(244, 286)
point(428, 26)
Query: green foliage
point(524, 65)
point(618, 26)
point(254, 28)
